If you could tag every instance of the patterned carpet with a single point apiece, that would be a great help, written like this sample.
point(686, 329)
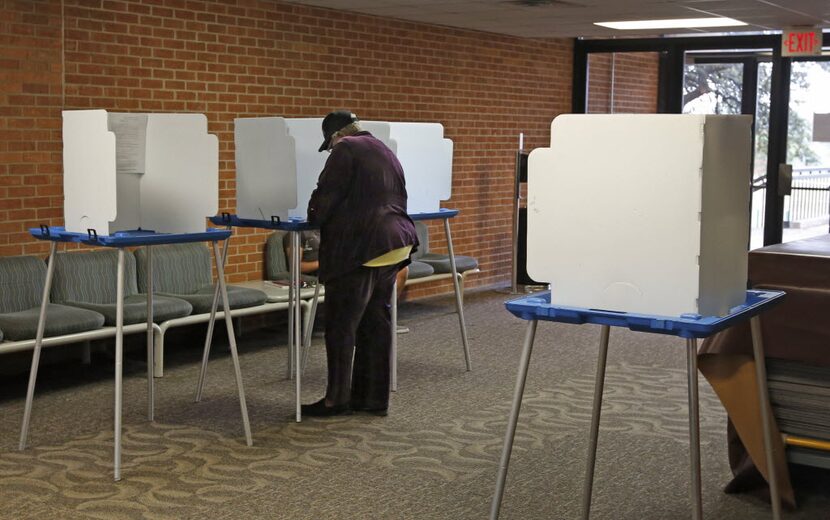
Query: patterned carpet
point(434, 457)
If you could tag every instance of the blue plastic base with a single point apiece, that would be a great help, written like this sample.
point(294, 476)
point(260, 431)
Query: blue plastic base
point(538, 307)
point(300, 224)
point(291, 224)
point(441, 214)
point(127, 238)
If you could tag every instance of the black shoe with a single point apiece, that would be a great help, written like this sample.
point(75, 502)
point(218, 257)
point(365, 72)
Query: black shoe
point(319, 409)
point(371, 410)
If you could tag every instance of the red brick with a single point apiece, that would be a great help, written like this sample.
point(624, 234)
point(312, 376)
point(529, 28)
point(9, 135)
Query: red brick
point(227, 58)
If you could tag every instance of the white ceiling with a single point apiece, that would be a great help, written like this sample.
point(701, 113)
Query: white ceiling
point(572, 18)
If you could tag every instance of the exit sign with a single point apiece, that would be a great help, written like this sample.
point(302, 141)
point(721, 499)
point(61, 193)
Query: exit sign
point(801, 41)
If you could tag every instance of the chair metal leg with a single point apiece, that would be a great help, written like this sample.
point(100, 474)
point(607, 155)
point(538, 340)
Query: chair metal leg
point(220, 271)
point(41, 327)
point(158, 353)
point(119, 360)
point(86, 353)
point(495, 506)
point(766, 419)
point(599, 385)
point(458, 303)
point(393, 354)
point(694, 431)
point(150, 337)
point(461, 288)
point(209, 336)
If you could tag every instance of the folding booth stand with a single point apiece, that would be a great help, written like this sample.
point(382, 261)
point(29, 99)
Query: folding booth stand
point(640, 221)
point(538, 308)
point(121, 241)
point(135, 180)
point(294, 228)
point(445, 215)
point(278, 164)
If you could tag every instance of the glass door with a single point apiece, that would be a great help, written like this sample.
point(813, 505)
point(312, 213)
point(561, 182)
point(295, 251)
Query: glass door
point(807, 207)
point(734, 82)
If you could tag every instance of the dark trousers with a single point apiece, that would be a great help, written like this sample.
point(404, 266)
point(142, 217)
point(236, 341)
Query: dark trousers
point(359, 336)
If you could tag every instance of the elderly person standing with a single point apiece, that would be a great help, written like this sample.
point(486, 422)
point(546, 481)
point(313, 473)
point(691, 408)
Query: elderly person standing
point(366, 237)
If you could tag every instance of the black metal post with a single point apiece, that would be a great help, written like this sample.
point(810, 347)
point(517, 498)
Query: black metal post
point(777, 149)
point(579, 90)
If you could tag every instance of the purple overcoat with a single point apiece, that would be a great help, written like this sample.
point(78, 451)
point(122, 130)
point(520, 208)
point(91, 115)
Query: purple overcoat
point(360, 206)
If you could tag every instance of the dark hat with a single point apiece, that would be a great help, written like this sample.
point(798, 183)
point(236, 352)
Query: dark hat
point(333, 122)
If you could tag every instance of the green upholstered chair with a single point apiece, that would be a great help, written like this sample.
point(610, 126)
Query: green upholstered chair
point(276, 263)
point(184, 271)
point(440, 263)
point(88, 280)
point(21, 288)
point(419, 270)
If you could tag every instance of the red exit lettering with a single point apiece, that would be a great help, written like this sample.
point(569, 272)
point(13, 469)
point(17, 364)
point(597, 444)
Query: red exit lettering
point(801, 42)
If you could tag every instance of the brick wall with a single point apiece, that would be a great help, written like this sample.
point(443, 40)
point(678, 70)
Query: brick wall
point(231, 58)
point(634, 82)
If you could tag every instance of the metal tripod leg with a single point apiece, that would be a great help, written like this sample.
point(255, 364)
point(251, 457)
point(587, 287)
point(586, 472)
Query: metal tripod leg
point(766, 419)
point(495, 506)
point(599, 385)
point(458, 303)
point(393, 354)
point(220, 271)
point(209, 336)
point(151, 396)
point(119, 360)
point(296, 320)
point(41, 327)
point(694, 431)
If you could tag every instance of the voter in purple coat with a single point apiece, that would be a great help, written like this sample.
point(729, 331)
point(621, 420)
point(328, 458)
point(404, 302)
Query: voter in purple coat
point(366, 237)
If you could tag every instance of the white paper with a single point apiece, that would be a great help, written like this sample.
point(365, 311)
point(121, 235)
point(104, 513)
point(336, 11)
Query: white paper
point(131, 135)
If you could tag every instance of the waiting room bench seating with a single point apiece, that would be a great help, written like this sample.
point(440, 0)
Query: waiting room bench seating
point(22, 279)
point(276, 268)
point(425, 266)
point(428, 267)
point(88, 280)
point(184, 271)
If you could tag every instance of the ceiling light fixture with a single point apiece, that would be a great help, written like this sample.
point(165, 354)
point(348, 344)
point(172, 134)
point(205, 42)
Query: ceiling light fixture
point(676, 23)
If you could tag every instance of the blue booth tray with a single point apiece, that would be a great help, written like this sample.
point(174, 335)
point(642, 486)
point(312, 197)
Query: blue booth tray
point(442, 213)
point(127, 238)
point(538, 307)
point(290, 224)
point(300, 224)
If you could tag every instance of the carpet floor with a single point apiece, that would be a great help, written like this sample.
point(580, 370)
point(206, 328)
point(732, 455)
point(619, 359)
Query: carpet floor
point(434, 457)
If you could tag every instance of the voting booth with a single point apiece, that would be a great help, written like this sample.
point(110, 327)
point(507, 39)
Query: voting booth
point(278, 163)
point(155, 172)
point(641, 222)
point(426, 157)
point(642, 213)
